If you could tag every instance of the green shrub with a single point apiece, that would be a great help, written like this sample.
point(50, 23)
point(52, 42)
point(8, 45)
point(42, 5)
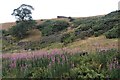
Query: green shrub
point(96, 28)
point(98, 33)
point(52, 26)
point(113, 14)
point(84, 27)
point(4, 32)
point(60, 25)
point(82, 34)
point(84, 30)
point(89, 21)
point(105, 57)
point(113, 33)
point(68, 38)
point(90, 32)
point(40, 72)
point(47, 31)
point(20, 29)
point(84, 71)
point(115, 73)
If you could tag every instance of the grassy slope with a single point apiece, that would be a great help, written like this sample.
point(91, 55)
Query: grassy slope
point(93, 43)
point(89, 44)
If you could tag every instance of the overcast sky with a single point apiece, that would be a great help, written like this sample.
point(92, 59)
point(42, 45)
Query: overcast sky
point(45, 9)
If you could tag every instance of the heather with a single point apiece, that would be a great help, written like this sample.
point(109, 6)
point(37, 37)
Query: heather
point(62, 63)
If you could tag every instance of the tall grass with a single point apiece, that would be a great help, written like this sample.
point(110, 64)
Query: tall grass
point(65, 63)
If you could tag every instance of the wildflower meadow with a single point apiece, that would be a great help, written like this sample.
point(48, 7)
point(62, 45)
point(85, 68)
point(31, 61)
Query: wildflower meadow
point(62, 63)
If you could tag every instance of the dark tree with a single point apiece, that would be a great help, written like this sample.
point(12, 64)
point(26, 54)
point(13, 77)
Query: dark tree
point(24, 21)
point(23, 12)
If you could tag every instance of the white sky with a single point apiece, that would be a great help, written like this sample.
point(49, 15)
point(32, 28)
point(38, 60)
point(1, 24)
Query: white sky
point(45, 9)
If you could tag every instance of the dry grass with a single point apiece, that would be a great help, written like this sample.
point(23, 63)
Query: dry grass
point(34, 35)
point(6, 26)
point(93, 43)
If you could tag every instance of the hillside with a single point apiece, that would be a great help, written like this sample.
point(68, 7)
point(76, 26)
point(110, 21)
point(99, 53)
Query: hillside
point(65, 47)
point(6, 26)
point(82, 32)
